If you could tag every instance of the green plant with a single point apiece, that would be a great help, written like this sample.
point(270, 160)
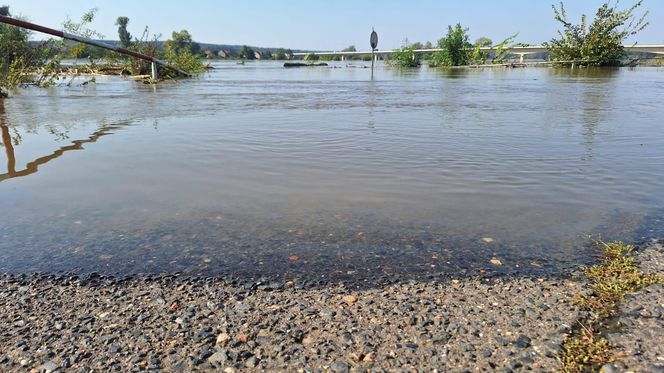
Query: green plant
point(123, 34)
point(609, 281)
point(181, 53)
point(601, 43)
point(247, 53)
point(406, 58)
point(21, 63)
point(585, 350)
point(455, 48)
point(503, 49)
point(182, 61)
point(78, 50)
point(311, 57)
point(182, 42)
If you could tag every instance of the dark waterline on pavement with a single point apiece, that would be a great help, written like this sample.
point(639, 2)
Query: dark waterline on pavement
point(256, 170)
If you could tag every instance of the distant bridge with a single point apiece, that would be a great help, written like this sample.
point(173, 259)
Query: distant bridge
point(522, 52)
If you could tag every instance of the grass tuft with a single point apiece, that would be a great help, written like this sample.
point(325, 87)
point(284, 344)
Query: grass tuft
point(586, 350)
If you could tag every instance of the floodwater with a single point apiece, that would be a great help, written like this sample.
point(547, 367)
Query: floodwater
point(256, 170)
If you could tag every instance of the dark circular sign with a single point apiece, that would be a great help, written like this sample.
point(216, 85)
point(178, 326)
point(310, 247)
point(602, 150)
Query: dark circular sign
point(374, 40)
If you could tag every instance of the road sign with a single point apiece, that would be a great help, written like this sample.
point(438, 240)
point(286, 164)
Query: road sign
point(373, 40)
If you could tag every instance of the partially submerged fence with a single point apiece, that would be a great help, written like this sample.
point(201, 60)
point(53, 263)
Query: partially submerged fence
point(46, 30)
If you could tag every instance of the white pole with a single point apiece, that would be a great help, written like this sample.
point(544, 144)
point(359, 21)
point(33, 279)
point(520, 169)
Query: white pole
point(155, 72)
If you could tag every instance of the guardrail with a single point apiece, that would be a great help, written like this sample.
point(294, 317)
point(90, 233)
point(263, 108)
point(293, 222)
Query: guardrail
point(46, 30)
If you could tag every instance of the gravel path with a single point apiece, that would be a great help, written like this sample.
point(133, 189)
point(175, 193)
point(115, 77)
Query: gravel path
point(172, 324)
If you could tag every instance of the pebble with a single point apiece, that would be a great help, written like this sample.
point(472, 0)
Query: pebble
point(48, 367)
point(339, 367)
point(349, 299)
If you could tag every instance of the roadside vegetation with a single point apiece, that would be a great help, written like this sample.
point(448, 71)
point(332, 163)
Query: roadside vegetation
point(599, 43)
point(23, 62)
point(610, 281)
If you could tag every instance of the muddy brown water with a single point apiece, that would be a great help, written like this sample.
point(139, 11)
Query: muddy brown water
point(256, 170)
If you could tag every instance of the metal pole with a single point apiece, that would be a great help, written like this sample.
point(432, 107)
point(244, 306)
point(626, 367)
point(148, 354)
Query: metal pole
point(64, 35)
point(372, 64)
point(155, 72)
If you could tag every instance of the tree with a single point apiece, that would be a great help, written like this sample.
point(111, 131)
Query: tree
point(279, 54)
point(21, 63)
point(428, 45)
point(405, 58)
point(455, 48)
point(125, 36)
point(311, 57)
point(182, 42)
point(601, 43)
point(247, 53)
point(417, 45)
point(350, 48)
point(483, 42)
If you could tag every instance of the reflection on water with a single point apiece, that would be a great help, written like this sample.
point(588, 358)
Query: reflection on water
point(248, 166)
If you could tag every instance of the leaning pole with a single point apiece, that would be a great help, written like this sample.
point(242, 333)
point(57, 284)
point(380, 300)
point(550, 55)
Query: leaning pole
point(46, 30)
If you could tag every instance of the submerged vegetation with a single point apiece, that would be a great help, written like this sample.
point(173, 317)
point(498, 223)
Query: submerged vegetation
point(22, 63)
point(609, 282)
point(601, 42)
point(406, 57)
point(27, 63)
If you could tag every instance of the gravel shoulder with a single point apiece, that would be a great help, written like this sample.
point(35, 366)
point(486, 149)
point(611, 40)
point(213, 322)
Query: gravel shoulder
point(640, 337)
point(172, 324)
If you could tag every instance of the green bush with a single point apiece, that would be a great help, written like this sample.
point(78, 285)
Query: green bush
point(456, 49)
point(21, 63)
point(601, 43)
point(406, 58)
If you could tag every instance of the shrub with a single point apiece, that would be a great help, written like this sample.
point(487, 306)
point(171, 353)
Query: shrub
point(455, 48)
point(406, 58)
point(601, 43)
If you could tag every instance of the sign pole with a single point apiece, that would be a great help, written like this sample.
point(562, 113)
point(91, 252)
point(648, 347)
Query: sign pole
point(372, 64)
point(373, 40)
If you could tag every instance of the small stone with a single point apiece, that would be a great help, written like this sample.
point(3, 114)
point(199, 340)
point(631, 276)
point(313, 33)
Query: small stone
point(48, 367)
point(222, 338)
point(114, 349)
point(251, 362)
point(496, 261)
point(488, 239)
point(522, 341)
point(218, 357)
point(349, 299)
point(339, 367)
point(608, 368)
point(514, 364)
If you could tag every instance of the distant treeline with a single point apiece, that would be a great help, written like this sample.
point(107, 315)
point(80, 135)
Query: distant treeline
point(204, 50)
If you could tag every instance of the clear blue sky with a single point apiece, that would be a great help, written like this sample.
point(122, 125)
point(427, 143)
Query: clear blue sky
point(328, 24)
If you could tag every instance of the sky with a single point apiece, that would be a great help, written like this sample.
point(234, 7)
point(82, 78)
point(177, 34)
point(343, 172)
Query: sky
point(327, 25)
